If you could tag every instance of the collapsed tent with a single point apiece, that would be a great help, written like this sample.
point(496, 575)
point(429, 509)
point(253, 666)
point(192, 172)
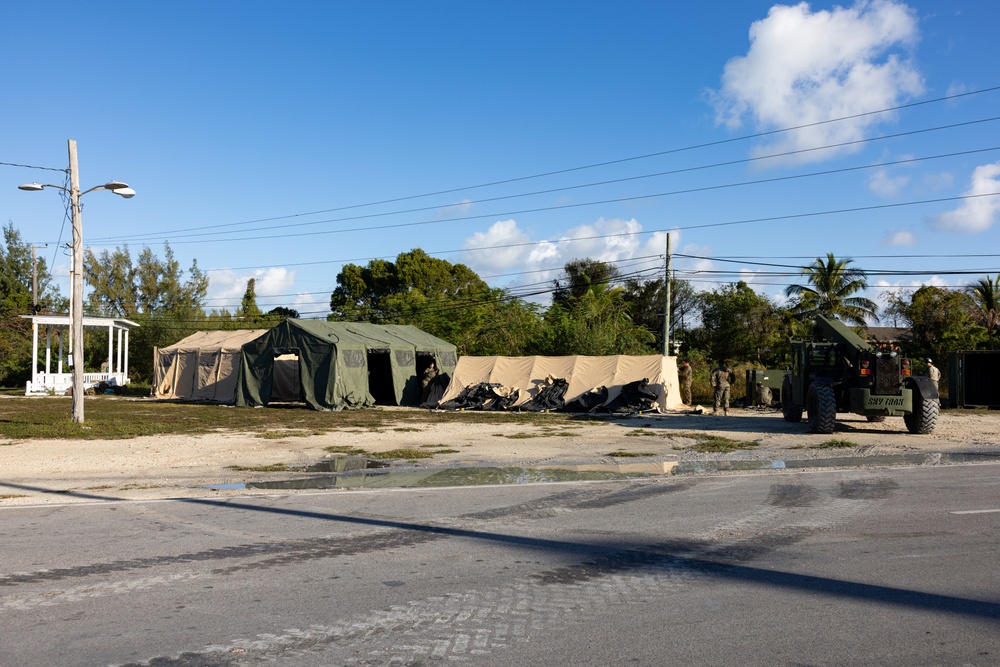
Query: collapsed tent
point(344, 364)
point(532, 375)
point(203, 367)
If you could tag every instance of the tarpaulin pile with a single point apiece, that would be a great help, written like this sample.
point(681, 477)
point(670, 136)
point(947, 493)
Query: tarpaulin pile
point(619, 384)
point(483, 396)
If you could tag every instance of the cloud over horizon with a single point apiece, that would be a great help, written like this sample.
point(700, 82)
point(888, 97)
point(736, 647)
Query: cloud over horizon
point(980, 211)
point(806, 67)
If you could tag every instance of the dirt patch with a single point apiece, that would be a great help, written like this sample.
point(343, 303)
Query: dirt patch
point(170, 466)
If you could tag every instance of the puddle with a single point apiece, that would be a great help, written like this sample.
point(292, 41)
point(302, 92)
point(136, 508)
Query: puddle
point(935, 458)
point(380, 479)
point(356, 472)
point(346, 464)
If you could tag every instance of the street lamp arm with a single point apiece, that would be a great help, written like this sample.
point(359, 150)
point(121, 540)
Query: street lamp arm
point(35, 187)
point(117, 187)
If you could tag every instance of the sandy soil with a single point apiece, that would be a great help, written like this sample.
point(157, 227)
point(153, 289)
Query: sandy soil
point(60, 471)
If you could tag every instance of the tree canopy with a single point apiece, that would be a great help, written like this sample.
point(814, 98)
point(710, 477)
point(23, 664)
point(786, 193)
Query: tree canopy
point(831, 287)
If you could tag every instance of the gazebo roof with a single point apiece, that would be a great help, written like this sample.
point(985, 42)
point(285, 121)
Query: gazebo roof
point(95, 322)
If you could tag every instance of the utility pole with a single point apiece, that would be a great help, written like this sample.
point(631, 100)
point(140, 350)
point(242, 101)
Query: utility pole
point(76, 323)
point(666, 302)
point(76, 281)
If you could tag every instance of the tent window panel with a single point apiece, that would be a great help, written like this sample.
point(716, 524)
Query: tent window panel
point(353, 358)
point(404, 357)
point(447, 358)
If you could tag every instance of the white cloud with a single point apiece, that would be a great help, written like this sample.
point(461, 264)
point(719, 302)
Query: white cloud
point(505, 248)
point(899, 237)
point(885, 184)
point(226, 288)
point(980, 211)
point(806, 67)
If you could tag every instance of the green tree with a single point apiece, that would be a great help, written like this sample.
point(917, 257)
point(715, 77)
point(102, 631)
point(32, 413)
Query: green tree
point(831, 287)
point(249, 312)
point(583, 276)
point(941, 321)
point(16, 300)
point(153, 292)
point(597, 322)
point(444, 299)
point(985, 295)
point(646, 305)
point(740, 324)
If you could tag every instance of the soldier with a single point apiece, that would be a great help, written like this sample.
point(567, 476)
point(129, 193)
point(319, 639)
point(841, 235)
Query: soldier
point(686, 374)
point(429, 374)
point(721, 378)
point(934, 373)
point(764, 395)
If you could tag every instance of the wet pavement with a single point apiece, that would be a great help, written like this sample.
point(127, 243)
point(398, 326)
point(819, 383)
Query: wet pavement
point(356, 472)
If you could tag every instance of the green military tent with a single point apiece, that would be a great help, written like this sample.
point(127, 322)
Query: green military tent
point(344, 364)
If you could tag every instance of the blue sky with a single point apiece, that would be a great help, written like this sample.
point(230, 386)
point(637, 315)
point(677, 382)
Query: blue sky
point(280, 140)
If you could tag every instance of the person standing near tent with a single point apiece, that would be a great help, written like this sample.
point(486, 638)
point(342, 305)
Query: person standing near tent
point(686, 374)
point(425, 380)
point(721, 378)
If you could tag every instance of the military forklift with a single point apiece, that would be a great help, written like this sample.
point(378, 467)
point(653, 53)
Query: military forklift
point(838, 371)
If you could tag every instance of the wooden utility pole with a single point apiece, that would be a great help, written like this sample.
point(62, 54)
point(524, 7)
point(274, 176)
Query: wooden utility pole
point(666, 302)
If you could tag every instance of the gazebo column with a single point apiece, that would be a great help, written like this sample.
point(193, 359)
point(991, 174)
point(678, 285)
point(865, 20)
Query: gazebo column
point(48, 350)
point(59, 365)
point(125, 366)
point(111, 348)
point(34, 353)
point(120, 352)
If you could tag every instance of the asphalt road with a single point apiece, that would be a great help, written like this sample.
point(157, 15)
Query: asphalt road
point(895, 566)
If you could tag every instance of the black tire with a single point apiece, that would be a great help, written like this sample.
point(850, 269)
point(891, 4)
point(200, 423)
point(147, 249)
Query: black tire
point(822, 408)
point(789, 410)
point(924, 417)
point(875, 418)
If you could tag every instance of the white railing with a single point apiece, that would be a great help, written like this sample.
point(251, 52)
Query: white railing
point(59, 384)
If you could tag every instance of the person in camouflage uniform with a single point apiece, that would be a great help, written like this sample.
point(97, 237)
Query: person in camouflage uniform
point(686, 374)
point(721, 378)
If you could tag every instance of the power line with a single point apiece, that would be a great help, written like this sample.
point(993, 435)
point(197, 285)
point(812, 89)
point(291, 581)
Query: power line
point(606, 163)
point(200, 228)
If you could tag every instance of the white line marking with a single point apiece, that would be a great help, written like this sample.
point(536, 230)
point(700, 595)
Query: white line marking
point(976, 511)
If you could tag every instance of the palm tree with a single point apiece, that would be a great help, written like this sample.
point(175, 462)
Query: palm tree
point(986, 295)
point(832, 284)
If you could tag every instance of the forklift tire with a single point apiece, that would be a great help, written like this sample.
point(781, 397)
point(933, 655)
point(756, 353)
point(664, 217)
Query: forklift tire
point(789, 410)
point(822, 407)
point(924, 417)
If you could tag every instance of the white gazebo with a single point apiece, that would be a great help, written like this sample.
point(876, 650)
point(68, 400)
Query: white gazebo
point(59, 382)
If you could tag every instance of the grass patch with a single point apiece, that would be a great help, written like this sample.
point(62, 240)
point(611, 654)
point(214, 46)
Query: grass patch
point(621, 453)
point(136, 487)
point(282, 434)
point(834, 444)
point(345, 449)
point(99, 487)
point(520, 436)
point(713, 444)
point(403, 453)
point(640, 432)
point(406, 429)
point(274, 467)
point(5, 496)
point(119, 417)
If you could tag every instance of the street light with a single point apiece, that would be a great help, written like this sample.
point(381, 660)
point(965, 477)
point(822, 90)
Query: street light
point(76, 306)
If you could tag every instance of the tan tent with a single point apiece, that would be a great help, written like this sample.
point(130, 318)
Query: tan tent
point(203, 367)
point(582, 373)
